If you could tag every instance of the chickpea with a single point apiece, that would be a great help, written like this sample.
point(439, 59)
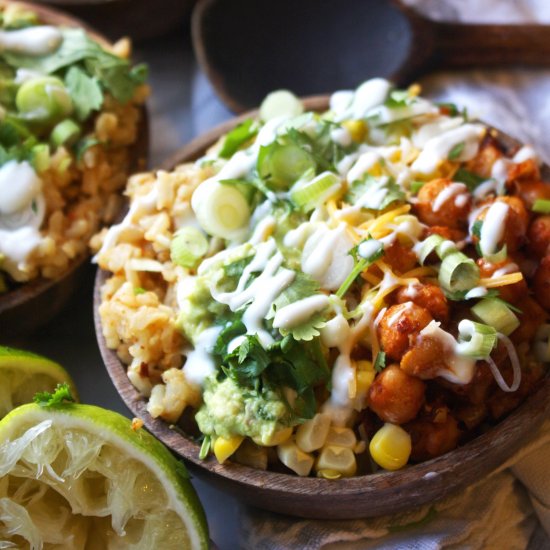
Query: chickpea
point(433, 208)
point(530, 191)
point(532, 316)
point(425, 359)
point(511, 293)
point(539, 236)
point(398, 325)
point(431, 439)
point(455, 235)
point(489, 152)
point(399, 257)
point(515, 222)
point(541, 283)
point(523, 172)
point(395, 396)
point(428, 296)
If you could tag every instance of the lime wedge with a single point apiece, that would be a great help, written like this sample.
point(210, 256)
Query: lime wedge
point(78, 476)
point(22, 374)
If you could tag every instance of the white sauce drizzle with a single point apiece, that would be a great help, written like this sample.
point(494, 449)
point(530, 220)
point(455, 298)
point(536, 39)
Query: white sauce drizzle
point(452, 190)
point(37, 40)
point(22, 211)
point(200, 364)
point(526, 153)
point(492, 229)
point(437, 149)
point(325, 256)
point(341, 136)
point(299, 312)
point(460, 370)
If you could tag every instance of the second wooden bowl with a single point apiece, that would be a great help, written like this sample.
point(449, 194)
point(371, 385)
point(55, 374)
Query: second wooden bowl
point(356, 497)
point(32, 304)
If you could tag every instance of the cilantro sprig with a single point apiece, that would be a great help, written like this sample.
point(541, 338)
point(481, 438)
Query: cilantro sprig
point(61, 394)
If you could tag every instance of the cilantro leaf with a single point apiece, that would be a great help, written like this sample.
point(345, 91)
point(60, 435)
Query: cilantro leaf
point(237, 137)
point(456, 150)
point(82, 145)
point(380, 361)
point(470, 179)
point(85, 92)
point(416, 186)
point(301, 287)
point(61, 394)
point(374, 193)
point(399, 98)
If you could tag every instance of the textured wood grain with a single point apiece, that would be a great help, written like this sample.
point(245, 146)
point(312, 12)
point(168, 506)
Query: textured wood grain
point(362, 496)
point(329, 46)
point(33, 304)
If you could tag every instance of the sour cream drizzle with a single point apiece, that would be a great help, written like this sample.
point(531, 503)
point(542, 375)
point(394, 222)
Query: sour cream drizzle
point(492, 229)
point(22, 211)
point(37, 40)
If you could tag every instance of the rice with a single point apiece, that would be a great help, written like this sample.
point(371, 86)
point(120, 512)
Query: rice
point(138, 304)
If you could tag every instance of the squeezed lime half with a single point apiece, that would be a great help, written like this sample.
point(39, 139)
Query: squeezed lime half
point(81, 477)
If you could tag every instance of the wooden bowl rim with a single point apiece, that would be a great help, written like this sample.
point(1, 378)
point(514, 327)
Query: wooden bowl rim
point(443, 474)
point(28, 290)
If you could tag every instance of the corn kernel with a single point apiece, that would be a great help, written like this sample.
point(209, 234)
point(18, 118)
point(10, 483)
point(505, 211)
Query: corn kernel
point(329, 474)
point(341, 437)
point(295, 459)
point(390, 447)
point(225, 447)
point(275, 438)
point(339, 459)
point(311, 435)
point(356, 128)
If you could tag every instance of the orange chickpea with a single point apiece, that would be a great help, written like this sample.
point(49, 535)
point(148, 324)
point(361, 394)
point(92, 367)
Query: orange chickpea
point(431, 439)
point(523, 172)
point(532, 316)
point(482, 164)
point(399, 257)
point(539, 236)
point(511, 293)
point(515, 222)
point(434, 209)
point(428, 296)
point(530, 191)
point(398, 325)
point(541, 283)
point(446, 232)
point(395, 396)
point(425, 359)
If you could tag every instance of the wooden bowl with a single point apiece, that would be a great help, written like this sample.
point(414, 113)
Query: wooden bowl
point(30, 305)
point(357, 497)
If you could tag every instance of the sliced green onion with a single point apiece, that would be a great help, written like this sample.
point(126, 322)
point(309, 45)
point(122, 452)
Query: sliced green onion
point(442, 247)
point(416, 186)
point(238, 137)
point(280, 103)
point(542, 206)
point(380, 361)
point(283, 165)
point(205, 447)
point(497, 257)
point(428, 246)
point(475, 339)
point(221, 210)
point(370, 254)
point(458, 272)
point(542, 343)
point(65, 133)
point(309, 194)
point(495, 312)
point(44, 98)
point(41, 157)
point(188, 246)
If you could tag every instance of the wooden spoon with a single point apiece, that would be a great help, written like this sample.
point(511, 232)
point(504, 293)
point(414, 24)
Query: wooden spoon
point(317, 46)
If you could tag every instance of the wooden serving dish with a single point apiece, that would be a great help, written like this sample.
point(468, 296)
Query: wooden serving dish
point(356, 497)
point(32, 304)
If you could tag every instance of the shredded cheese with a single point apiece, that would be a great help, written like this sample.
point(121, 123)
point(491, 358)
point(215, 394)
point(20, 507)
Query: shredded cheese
point(503, 280)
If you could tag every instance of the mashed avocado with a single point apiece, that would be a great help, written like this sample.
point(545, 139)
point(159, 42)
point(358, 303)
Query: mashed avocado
point(229, 409)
